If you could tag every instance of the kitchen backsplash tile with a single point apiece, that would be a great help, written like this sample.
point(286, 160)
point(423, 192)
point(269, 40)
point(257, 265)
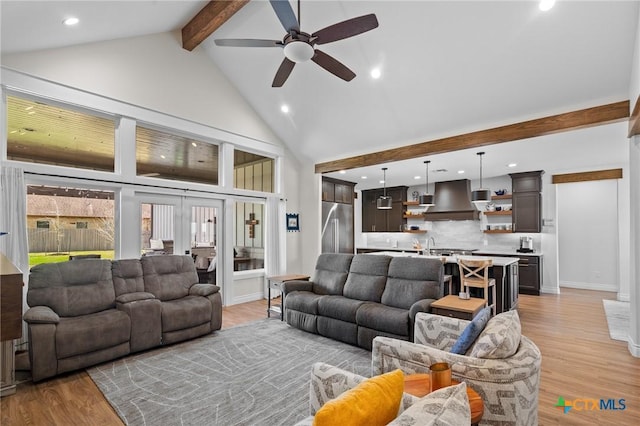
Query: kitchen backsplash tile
point(450, 234)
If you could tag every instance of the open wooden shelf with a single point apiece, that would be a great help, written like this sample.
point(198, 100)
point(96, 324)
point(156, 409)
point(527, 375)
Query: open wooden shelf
point(410, 203)
point(415, 231)
point(500, 213)
point(413, 216)
point(501, 197)
point(499, 231)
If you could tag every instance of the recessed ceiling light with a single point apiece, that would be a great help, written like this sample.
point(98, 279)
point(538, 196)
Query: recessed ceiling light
point(546, 4)
point(162, 156)
point(363, 177)
point(376, 73)
point(512, 164)
point(381, 181)
point(342, 172)
point(31, 112)
point(285, 109)
point(194, 144)
point(417, 177)
point(460, 172)
point(71, 21)
point(30, 107)
point(13, 131)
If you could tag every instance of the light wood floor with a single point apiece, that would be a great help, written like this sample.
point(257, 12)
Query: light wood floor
point(579, 361)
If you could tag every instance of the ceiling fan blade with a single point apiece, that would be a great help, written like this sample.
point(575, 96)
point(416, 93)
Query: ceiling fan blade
point(346, 29)
point(285, 14)
point(247, 42)
point(333, 65)
point(283, 73)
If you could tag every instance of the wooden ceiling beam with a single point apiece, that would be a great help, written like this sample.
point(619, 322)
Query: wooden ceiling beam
point(634, 120)
point(587, 176)
point(584, 118)
point(209, 19)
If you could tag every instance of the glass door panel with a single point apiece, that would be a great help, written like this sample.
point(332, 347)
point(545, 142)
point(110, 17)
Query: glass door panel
point(157, 228)
point(204, 238)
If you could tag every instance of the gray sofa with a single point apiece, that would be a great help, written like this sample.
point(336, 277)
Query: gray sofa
point(84, 312)
point(354, 298)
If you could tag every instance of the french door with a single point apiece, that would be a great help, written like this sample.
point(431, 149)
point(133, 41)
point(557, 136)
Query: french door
point(173, 224)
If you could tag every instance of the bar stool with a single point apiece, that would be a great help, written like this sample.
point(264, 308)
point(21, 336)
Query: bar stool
point(447, 279)
point(475, 273)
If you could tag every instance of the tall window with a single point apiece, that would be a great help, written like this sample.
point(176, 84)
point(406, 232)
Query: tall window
point(168, 156)
point(249, 236)
point(41, 133)
point(64, 222)
point(252, 171)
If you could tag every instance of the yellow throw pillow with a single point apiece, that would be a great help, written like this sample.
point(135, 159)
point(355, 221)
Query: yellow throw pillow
point(375, 401)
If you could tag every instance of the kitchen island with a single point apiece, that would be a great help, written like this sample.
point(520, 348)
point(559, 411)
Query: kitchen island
point(504, 271)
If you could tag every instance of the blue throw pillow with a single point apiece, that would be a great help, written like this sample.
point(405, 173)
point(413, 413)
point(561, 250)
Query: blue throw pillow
point(471, 332)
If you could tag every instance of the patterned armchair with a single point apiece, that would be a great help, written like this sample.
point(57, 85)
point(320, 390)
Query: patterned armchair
point(509, 385)
point(447, 406)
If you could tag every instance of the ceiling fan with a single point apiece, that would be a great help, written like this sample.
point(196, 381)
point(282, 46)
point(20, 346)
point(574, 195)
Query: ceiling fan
point(300, 46)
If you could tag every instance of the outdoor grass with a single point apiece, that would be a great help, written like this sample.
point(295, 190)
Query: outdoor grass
point(37, 258)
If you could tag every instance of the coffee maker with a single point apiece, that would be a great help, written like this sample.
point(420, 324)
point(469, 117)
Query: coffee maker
point(526, 245)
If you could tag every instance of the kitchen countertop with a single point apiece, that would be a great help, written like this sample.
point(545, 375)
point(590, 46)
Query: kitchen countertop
point(505, 251)
point(387, 248)
point(497, 261)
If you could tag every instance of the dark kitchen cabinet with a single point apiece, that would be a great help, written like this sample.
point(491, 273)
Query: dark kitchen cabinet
point(337, 191)
point(527, 201)
point(530, 270)
point(376, 220)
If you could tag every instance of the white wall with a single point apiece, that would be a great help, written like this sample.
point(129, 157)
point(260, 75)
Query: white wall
point(153, 72)
point(634, 217)
point(588, 235)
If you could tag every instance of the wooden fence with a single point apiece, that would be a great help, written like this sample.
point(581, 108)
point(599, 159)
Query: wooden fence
point(66, 240)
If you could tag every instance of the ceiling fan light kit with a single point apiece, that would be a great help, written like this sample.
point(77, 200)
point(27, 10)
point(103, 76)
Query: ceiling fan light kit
point(480, 195)
point(300, 47)
point(426, 200)
point(384, 202)
point(298, 51)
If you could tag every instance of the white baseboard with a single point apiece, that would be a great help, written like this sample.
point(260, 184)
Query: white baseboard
point(634, 348)
point(624, 297)
point(550, 290)
point(589, 286)
point(247, 298)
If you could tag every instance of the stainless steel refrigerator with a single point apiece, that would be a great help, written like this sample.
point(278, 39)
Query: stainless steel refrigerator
point(337, 228)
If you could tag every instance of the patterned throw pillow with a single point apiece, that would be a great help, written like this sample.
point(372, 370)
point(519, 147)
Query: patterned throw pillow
point(471, 332)
point(500, 338)
point(445, 407)
point(375, 401)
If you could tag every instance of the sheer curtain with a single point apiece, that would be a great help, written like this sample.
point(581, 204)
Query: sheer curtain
point(274, 243)
point(13, 221)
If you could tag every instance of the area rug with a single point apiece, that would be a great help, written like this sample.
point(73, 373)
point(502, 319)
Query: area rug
point(618, 314)
point(254, 374)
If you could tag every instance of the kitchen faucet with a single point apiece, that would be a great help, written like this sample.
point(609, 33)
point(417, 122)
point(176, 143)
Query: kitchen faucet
point(430, 241)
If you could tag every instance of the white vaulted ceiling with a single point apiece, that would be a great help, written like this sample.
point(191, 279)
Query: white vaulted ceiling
point(447, 67)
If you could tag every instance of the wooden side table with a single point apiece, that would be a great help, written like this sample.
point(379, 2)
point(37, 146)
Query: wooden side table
point(453, 306)
point(275, 283)
point(418, 385)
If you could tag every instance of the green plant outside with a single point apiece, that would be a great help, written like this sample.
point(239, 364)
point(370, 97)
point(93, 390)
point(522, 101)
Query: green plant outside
point(38, 258)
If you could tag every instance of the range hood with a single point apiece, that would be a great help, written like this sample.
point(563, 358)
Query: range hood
point(452, 202)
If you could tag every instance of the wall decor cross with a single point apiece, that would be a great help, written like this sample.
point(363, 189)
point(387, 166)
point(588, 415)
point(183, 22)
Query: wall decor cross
point(252, 222)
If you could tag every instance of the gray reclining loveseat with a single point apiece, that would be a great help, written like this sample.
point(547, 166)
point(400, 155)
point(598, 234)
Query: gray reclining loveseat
point(354, 298)
point(84, 312)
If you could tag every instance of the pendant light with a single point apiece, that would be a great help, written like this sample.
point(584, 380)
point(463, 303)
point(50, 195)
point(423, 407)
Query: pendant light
point(426, 200)
point(480, 195)
point(384, 202)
